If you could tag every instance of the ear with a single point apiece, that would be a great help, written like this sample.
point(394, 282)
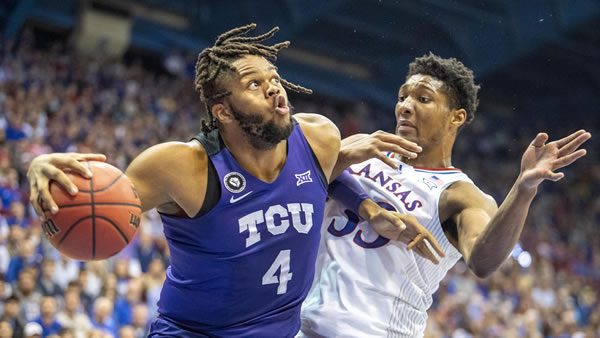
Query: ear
point(458, 117)
point(222, 113)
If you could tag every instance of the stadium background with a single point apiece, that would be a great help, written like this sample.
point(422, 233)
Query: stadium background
point(116, 76)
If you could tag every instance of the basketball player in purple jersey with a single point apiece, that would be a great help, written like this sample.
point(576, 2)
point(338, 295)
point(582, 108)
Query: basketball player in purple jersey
point(242, 203)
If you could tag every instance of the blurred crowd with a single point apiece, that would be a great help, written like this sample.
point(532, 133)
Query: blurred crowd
point(54, 100)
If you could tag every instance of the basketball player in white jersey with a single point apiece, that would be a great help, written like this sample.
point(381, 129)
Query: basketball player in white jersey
point(371, 285)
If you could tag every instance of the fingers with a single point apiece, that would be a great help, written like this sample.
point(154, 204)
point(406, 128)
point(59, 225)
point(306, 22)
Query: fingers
point(381, 147)
point(393, 142)
point(353, 138)
point(61, 178)
point(400, 226)
point(423, 250)
point(420, 246)
point(34, 200)
point(539, 140)
point(398, 150)
point(401, 142)
point(381, 156)
point(421, 240)
point(573, 144)
point(90, 157)
point(566, 160)
point(427, 253)
point(82, 168)
point(552, 176)
point(435, 245)
point(415, 241)
point(571, 137)
point(46, 202)
point(46, 168)
point(412, 221)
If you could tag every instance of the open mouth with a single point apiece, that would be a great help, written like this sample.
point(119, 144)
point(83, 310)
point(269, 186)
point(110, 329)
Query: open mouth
point(281, 105)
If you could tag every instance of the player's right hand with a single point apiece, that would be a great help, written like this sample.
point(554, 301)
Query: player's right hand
point(50, 167)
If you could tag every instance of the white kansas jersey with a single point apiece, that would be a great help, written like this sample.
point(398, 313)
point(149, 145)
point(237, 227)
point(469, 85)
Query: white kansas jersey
point(367, 285)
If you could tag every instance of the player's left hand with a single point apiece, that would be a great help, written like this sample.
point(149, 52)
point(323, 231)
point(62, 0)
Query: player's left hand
point(541, 159)
point(406, 229)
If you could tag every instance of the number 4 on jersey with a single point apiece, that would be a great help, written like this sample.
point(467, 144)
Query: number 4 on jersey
point(281, 263)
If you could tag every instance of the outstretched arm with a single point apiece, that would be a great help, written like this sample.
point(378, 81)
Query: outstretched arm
point(153, 181)
point(486, 233)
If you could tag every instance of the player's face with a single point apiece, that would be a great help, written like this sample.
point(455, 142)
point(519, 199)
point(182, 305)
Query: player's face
point(422, 110)
point(259, 102)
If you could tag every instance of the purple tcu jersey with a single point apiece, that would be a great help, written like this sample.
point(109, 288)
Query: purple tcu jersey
point(244, 267)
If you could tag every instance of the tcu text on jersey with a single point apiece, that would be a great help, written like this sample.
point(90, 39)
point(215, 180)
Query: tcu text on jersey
point(277, 219)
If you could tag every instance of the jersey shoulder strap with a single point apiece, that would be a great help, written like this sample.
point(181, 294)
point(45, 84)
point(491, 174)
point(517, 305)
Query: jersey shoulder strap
point(212, 144)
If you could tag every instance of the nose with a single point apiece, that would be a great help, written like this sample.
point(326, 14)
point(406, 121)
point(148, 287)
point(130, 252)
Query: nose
point(272, 90)
point(405, 108)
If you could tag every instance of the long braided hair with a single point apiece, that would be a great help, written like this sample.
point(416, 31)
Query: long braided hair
point(230, 46)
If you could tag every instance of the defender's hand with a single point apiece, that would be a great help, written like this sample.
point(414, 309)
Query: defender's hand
point(361, 147)
point(401, 227)
point(50, 167)
point(541, 159)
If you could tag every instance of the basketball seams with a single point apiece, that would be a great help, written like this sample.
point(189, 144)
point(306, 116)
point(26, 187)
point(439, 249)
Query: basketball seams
point(102, 204)
point(93, 214)
point(105, 188)
point(70, 228)
point(116, 227)
point(111, 183)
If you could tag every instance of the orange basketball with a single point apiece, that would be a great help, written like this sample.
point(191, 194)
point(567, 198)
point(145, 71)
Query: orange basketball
point(100, 220)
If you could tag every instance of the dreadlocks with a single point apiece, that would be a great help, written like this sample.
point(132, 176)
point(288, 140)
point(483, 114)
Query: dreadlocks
point(230, 46)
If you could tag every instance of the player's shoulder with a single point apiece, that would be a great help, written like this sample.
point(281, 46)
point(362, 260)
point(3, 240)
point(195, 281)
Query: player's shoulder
point(174, 151)
point(315, 122)
point(163, 157)
point(323, 137)
point(464, 194)
point(319, 130)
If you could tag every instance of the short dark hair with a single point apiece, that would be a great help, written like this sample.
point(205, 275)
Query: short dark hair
point(11, 298)
point(215, 60)
point(458, 80)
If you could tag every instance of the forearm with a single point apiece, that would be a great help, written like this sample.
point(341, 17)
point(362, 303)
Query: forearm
point(351, 152)
point(347, 190)
point(502, 232)
point(342, 163)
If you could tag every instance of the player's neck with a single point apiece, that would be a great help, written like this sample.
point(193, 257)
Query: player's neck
point(432, 157)
point(262, 164)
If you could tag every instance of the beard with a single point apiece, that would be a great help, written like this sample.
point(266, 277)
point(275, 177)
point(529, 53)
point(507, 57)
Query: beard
point(263, 135)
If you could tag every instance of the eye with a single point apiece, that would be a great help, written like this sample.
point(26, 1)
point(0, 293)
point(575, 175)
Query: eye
point(424, 99)
point(253, 85)
point(276, 80)
point(401, 98)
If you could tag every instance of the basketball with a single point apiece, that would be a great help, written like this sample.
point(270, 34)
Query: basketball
point(98, 221)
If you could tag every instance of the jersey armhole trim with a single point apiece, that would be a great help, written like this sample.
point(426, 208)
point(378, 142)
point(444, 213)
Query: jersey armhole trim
point(213, 190)
point(320, 171)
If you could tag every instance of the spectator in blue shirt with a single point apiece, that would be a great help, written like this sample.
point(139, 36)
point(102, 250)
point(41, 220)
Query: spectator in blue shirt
point(102, 318)
point(47, 318)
